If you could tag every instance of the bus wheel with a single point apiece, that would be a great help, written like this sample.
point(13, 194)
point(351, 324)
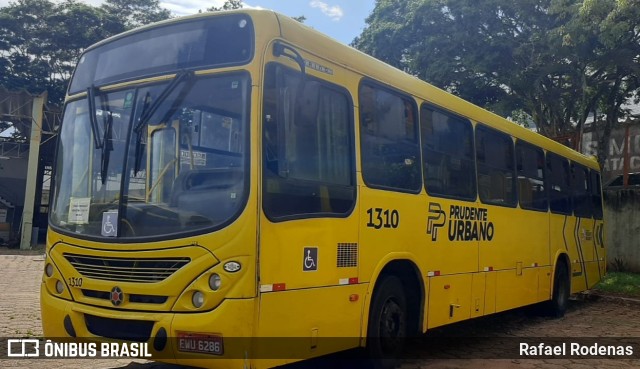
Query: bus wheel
point(387, 323)
point(561, 291)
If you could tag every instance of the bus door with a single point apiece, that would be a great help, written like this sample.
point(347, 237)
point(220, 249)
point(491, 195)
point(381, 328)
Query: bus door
point(309, 251)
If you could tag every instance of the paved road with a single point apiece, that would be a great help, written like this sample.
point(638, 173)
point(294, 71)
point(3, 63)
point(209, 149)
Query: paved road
point(20, 277)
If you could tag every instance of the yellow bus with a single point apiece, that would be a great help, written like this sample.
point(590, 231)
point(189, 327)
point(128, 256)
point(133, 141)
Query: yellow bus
point(237, 186)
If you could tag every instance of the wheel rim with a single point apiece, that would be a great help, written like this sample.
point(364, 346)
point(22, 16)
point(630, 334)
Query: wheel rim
point(391, 326)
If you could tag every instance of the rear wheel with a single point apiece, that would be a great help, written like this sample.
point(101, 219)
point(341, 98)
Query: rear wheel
point(561, 291)
point(387, 323)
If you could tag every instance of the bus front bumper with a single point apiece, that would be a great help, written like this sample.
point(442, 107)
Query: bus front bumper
point(180, 338)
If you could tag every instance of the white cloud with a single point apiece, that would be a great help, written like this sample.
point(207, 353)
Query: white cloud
point(187, 7)
point(334, 12)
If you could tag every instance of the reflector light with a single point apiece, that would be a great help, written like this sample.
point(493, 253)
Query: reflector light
point(446, 286)
point(279, 286)
point(353, 280)
point(488, 269)
point(354, 297)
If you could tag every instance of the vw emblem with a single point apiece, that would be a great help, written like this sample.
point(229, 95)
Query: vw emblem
point(117, 296)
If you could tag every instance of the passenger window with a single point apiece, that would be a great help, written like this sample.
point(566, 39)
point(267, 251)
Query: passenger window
point(582, 201)
point(308, 165)
point(559, 184)
point(495, 160)
point(596, 194)
point(389, 140)
point(531, 176)
point(447, 150)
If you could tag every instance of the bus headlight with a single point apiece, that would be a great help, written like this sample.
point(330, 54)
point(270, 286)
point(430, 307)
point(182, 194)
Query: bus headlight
point(48, 270)
point(215, 282)
point(59, 287)
point(197, 299)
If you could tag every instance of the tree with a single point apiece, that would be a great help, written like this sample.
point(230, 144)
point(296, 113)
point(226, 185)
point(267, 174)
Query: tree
point(228, 5)
point(300, 18)
point(40, 41)
point(135, 13)
point(549, 59)
point(237, 4)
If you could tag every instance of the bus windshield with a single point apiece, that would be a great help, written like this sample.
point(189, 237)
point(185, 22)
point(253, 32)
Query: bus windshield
point(157, 160)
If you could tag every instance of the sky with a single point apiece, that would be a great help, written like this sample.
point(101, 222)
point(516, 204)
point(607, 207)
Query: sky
point(342, 20)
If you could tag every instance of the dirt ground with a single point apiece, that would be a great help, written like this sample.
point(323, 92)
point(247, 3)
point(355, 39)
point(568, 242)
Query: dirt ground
point(490, 342)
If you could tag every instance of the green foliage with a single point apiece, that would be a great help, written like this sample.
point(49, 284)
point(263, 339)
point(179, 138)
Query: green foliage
point(300, 19)
point(228, 5)
point(554, 60)
point(135, 13)
point(237, 4)
point(620, 283)
point(40, 41)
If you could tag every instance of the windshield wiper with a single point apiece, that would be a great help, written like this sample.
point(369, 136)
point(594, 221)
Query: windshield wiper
point(92, 117)
point(148, 110)
point(101, 142)
point(107, 145)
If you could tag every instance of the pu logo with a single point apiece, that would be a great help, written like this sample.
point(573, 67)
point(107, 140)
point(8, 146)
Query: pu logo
point(436, 220)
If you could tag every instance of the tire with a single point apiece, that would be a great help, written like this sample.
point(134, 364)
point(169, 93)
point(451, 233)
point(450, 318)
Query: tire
point(387, 327)
point(561, 291)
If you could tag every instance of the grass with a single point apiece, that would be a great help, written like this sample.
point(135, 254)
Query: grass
point(620, 283)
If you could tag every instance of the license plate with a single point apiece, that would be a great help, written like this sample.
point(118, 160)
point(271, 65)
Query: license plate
point(200, 343)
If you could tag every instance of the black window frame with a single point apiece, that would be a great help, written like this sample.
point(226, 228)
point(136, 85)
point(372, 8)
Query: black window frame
point(526, 145)
point(596, 194)
point(418, 157)
point(581, 200)
point(423, 148)
point(551, 182)
point(300, 184)
point(485, 129)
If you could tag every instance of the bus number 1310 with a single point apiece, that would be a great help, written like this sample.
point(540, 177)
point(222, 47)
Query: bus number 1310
point(386, 218)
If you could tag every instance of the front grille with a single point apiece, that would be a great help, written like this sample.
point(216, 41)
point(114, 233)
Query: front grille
point(147, 270)
point(131, 297)
point(119, 329)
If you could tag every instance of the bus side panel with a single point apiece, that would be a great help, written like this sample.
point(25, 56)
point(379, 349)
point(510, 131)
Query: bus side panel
point(490, 293)
point(520, 237)
point(449, 299)
point(544, 283)
point(518, 248)
point(588, 239)
point(317, 321)
point(516, 288)
point(564, 235)
point(478, 294)
point(599, 247)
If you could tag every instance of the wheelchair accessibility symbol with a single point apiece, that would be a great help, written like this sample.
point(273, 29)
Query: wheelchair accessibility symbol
point(310, 259)
point(110, 224)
